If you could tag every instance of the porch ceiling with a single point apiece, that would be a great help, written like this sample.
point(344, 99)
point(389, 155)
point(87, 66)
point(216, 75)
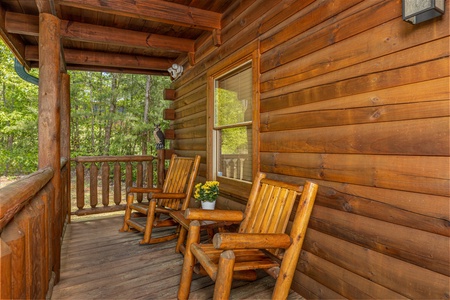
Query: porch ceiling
point(139, 36)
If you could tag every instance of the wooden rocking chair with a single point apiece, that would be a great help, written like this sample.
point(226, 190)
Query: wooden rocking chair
point(260, 242)
point(174, 195)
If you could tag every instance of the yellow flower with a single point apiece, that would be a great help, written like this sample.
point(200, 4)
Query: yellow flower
point(207, 191)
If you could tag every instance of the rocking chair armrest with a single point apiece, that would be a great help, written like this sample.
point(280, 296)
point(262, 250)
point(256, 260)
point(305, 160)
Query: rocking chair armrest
point(167, 196)
point(230, 241)
point(143, 190)
point(214, 215)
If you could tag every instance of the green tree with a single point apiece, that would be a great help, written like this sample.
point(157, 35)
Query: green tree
point(18, 119)
point(108, 115)
point(231, 111)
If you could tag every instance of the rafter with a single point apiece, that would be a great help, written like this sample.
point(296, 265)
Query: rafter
point(14, 44)
point(153, 10)
point(35, 64)
point(116, 70)
point(46, 6)
point(29, 25)
point(93, 58)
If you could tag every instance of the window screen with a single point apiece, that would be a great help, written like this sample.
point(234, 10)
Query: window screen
point(233, 123)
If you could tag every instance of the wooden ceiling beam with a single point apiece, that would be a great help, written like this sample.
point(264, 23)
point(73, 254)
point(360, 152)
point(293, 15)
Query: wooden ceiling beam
point(22, 24)
point(116, 70)
point(35, 64)
point(29, 25)
point(153, 10)
point(46, 6)
point(92, 58)
point(14, 43)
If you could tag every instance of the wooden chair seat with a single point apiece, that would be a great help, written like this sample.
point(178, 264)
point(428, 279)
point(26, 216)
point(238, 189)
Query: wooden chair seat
point(260, 243)
point(174, 195)
point(143, 208)
point(140, 207)
point(246, 259)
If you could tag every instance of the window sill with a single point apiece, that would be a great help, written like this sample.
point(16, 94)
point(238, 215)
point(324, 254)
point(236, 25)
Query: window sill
point(237, 189)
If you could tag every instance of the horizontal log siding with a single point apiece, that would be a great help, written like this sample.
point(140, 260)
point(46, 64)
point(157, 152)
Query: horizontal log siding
point(357, 100)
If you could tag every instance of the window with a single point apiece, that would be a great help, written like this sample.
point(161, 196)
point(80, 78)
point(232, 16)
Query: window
point(233, 111)
point(233, 121)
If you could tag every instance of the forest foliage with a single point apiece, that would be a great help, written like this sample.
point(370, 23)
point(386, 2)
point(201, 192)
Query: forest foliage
point(111, 114)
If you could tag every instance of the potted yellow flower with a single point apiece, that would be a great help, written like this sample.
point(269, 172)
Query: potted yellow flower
point(207, 193)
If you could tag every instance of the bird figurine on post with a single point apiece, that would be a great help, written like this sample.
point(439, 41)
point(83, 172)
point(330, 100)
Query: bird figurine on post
point(159, 137)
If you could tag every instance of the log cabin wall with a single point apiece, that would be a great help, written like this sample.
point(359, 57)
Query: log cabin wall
point(357, 100)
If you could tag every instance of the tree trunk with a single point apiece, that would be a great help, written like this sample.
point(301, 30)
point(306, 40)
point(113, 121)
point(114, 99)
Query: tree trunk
point(146, 108)
point(10, 139)
point(93, 107)
point(112, 111)
point(76, 133)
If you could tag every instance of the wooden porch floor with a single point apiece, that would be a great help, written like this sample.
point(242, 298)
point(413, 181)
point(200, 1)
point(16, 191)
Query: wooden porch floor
point(99, 262)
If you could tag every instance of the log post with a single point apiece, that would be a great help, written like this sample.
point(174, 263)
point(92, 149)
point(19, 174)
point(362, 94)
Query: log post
point(189, 261)
point(49, 122)
point(161, 167)
point(65, 140)
point(224, 279)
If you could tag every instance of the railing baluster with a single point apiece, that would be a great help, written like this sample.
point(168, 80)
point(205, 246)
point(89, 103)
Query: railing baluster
point(93, 185)
point(105, 184)
point(13, 244)
point(139, 179)
point(139, 171)
point(80, 185)
point(128, 174)
point(117, 183)
point(150, 174)
point(241, 168)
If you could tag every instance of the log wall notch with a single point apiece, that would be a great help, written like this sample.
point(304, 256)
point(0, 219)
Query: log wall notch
point(169, 134)
point(169, 94)
point(169, 114)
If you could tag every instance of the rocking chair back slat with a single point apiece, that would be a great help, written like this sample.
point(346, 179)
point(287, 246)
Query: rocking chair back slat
point(271, 208)
point(176, 180)
point(270, 211)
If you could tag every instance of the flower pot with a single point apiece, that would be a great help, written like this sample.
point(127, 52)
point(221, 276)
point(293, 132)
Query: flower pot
point(208, 205)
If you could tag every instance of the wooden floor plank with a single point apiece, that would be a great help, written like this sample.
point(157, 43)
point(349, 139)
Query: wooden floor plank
point(99, 262)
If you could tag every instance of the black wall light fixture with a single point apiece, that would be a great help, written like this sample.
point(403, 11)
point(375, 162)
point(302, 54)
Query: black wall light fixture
point(417, 11)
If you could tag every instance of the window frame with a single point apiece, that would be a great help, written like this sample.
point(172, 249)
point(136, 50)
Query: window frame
point(250, 53)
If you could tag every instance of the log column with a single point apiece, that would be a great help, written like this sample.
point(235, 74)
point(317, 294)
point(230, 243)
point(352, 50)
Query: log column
point(49, 125)
point(65, 141)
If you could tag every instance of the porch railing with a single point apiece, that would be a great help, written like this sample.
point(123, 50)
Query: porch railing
point(32, 217)
point(110, 176)
point(236, 166)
